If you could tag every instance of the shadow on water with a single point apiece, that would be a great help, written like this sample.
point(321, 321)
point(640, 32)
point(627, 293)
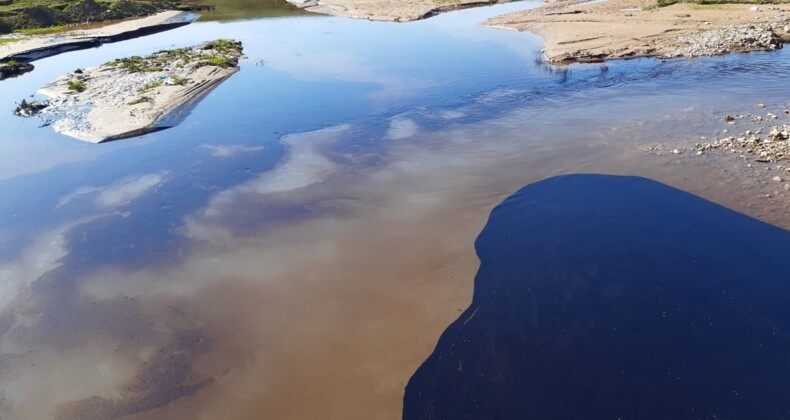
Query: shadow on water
point(605, 297)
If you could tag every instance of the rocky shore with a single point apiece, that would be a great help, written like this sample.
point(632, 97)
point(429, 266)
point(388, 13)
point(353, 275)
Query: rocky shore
point(618, 29)
point(389, 10)
point(136, 95)
point(758, 142)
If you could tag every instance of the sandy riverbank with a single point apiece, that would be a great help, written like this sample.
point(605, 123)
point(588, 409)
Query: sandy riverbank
point(137, 95)
point(389, 10)
point(31, 48)
point(615, 29)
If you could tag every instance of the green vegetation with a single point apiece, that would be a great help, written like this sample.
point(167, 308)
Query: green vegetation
point(48, 16)
point(221, 53)
point(220, 61)
point(140, 100)
point(223, 46)
point(180, 81)
point(135, 64)
point(77, 85)
point(43, 31)
point(151, 86)
point(5, 41)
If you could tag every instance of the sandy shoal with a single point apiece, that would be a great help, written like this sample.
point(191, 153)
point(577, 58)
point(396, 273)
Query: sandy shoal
point(625, 28)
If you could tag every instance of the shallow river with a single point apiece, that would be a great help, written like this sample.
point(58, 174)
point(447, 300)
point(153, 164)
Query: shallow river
point(297, 245)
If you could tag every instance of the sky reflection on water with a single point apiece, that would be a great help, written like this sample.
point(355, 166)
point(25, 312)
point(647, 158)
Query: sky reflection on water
point(402, 137)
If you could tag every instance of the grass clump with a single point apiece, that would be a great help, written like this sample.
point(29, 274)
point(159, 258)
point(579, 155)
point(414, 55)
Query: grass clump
point(219, 61)
point(6, 41)
point(151, 86)
point(223, 46)
point(179, 81)
point(140, 100)
point(44, 31)
point(134, 64)
point(221, 53)
point(77, 86)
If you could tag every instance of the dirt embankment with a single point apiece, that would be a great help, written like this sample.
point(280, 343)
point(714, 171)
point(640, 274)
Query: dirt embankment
point(575, 32)
point(389, 10)
point(136, 95)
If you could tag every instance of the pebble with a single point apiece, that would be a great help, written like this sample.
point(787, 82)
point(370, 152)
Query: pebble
point(778, 179)
point(748, 37)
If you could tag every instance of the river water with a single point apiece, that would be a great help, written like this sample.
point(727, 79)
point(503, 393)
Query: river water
point(296, 246)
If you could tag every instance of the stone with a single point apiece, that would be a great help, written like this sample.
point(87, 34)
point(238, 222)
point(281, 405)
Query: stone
point(778, 179)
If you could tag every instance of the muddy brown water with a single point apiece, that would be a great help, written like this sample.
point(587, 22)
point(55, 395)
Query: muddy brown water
point(297, 245)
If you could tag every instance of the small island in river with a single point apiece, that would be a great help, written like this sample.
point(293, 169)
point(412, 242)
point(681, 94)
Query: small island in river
point(136, 95)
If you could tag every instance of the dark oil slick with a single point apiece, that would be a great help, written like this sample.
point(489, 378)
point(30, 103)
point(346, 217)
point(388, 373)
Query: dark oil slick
point(605, 297)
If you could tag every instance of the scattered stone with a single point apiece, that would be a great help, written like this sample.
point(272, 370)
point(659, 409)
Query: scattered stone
point(28, 109)
point(729, 118)
point(778, 134)
point(754, 9)
point(675, 151)
point(775, 147)
point(747, 37)
point(778, 179)
point(760, 106)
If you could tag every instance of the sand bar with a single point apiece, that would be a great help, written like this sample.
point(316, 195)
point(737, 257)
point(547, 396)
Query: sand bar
point(389, 10)
point(137, 95)
point(615, 29)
